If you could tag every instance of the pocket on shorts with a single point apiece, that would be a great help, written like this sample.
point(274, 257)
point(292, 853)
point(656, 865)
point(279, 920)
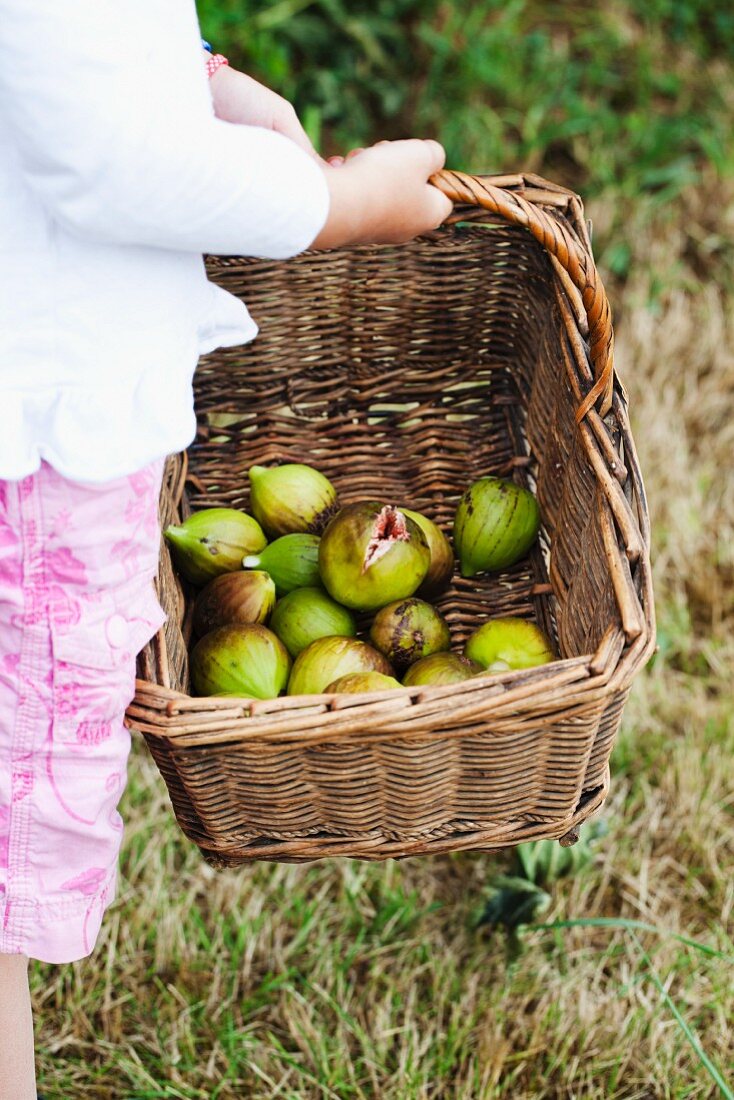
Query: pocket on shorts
point(107, 629)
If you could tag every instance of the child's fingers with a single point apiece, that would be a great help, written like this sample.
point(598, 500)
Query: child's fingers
point(440, 205)
point(428, 153)
point(337, 161)
point(436, 155)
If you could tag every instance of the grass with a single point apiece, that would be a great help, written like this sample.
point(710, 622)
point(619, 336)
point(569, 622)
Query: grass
point(356, 981)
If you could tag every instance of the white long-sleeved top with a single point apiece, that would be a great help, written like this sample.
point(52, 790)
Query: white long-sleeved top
point(115, 177)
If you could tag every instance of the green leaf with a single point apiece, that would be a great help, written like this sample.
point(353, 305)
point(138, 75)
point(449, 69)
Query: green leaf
point(544, 861)
point(513, 902)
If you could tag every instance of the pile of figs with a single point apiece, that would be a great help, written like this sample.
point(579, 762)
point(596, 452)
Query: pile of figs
point(304, 597)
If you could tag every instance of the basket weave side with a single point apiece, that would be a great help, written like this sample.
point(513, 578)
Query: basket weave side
point(404, 373)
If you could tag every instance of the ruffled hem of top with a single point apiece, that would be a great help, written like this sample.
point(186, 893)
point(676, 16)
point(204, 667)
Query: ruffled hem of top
point(86, 435)
point(97, 433)
point(228, 323)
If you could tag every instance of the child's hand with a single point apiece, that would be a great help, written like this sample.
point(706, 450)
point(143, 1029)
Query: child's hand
point(381, 195)
point(240, 99)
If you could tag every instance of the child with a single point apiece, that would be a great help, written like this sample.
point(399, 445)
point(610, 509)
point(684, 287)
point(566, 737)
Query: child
point(120, 164)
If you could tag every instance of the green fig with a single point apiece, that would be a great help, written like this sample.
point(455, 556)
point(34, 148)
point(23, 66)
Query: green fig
point(213, 541)
point(372, 554)
point(306, 614)
point(496, 523)
point(325, 660)
point(292, 561)
point(356, 682)
point(291, 498)
point(441, 568)
point(441, 668)
point(234, 598)
point(240, 660)
point(503, 644)
point(407, 630)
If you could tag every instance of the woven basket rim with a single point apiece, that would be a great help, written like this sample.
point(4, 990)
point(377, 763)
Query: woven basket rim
point(185, 720)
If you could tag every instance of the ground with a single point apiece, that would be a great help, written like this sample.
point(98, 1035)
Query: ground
point(348, 980)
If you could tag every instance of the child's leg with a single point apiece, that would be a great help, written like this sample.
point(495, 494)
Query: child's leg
point(17, 1072)
point(76, 604)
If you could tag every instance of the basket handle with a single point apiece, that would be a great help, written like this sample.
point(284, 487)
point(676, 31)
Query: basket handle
point(556, 234)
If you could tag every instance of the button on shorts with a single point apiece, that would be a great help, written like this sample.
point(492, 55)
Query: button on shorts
point(77, 604)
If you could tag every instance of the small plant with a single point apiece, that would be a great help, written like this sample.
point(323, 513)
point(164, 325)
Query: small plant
point(516, 900)
point(544, 861)
point(514, 903)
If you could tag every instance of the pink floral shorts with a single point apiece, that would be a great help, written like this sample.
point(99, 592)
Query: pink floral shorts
point(77, 563)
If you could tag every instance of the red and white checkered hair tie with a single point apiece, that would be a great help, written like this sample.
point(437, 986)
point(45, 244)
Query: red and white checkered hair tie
point(213, 62)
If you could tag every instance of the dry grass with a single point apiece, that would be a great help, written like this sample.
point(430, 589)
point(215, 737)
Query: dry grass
point(349, 981)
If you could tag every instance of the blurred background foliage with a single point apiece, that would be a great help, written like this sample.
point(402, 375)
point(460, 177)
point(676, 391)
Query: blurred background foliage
point(632, 95)
point(631, 99)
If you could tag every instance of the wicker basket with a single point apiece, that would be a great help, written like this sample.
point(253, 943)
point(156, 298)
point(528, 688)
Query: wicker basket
point(404, 373)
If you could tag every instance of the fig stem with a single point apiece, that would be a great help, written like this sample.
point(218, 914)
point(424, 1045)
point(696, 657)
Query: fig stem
point(174, 533)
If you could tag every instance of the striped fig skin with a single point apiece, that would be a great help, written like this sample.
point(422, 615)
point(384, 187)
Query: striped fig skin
point(356, 682)
point(509, 643)
point(496, 523)
point(441, 568)
point(326, 659)
point(407, 630)
point(292, 561)
point(234, 598)
point(213, 541)
point(441, 668)
point(246, 661)
point(306, 614)
point(291, 498)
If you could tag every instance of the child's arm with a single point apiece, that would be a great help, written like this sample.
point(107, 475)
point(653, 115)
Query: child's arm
point(111, 114)
point(116, 137)
point(240, 99)
point(379, 194)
